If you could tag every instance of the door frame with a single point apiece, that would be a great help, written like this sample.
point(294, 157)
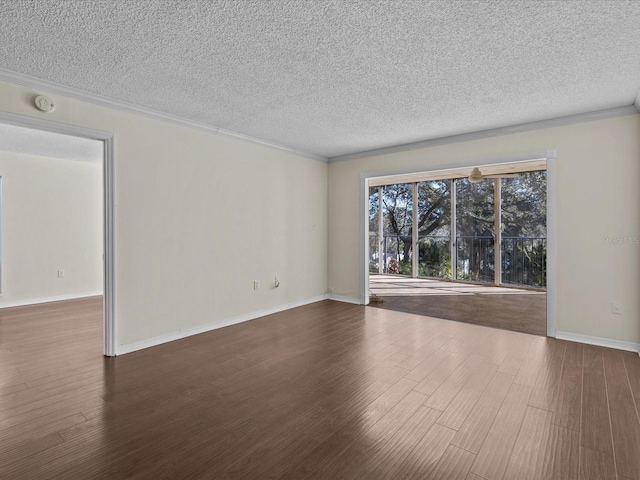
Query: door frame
point(107, 139)
point(548, 155)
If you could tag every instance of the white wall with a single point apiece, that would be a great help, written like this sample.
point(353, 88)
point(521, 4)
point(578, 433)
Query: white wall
point(598, 196)
point(51, 220)
point(198, 217)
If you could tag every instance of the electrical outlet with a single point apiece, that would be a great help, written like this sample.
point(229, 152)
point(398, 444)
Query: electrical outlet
point(60, 273)
point(256, 285)
point(615, 308)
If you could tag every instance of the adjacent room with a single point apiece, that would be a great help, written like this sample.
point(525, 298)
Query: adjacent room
point(52, 236)
point(323, 239)
point(479, 239)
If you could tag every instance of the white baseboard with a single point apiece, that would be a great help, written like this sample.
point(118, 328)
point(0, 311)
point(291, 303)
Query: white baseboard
point(170, 337)
point(599, 341)
point(340, 298)
point(34, 301)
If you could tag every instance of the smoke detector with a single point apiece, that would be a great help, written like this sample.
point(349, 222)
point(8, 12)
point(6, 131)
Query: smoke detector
point(44, 104)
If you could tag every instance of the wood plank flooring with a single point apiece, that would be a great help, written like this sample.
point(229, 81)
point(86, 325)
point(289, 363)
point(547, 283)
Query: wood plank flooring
point(510, 308)
point(325, 391)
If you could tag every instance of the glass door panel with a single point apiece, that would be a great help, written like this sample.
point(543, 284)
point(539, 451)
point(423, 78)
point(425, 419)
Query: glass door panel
point(524, 229)
point(397, 213)
point(475, 222)
point(374, 238)
point(434, 229)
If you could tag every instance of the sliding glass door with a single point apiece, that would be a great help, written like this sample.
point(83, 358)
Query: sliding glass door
point(434, 229)
point(524, 230)
point(492, 231)
point(397, 228)
point(375, 265)
point(475, 231)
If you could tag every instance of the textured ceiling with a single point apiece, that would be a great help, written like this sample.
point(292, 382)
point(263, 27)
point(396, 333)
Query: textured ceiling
point(337, 76)
point(49, 144)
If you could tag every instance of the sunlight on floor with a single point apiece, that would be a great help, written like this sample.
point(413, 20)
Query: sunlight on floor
point(396, 286)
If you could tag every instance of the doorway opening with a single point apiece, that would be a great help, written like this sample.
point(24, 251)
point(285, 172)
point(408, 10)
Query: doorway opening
point(64, 175)
point(466, 244)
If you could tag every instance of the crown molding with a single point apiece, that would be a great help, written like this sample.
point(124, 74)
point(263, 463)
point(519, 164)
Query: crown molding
point(494, 132)
point(56, 88)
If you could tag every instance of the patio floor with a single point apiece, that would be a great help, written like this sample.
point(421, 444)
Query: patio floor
point(508, 308)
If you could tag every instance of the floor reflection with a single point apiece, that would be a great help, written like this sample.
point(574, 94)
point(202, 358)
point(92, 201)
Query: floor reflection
point(509, 308)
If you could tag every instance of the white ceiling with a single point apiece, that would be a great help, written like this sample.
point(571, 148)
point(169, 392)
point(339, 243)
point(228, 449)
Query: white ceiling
point(334, 77)
point(49, 144)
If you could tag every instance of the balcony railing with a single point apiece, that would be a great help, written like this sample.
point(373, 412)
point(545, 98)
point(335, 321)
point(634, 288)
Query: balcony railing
point(476, 258)
point(524, 259)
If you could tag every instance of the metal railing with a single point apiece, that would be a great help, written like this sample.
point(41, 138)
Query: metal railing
point(475, 258)
point(434, 256)
point(524, 259)
point(396, 254)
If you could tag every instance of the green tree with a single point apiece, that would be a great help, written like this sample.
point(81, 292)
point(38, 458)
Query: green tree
point(475, 223)
point(524, 229)
point(523, 215)
point(434, 209)
point(524, 205)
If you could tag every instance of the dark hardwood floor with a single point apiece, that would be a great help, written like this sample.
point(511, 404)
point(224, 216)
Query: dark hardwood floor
point(510, 308)
point(325, 391)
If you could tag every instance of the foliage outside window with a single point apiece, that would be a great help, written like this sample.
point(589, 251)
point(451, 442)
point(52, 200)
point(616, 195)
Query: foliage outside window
point(523, 220)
